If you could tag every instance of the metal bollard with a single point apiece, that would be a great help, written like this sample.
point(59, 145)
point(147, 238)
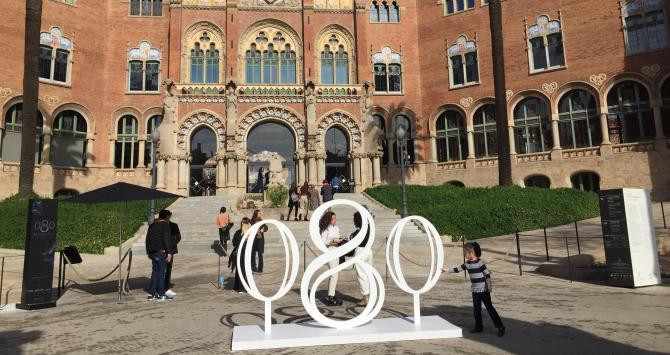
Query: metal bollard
point(518, 253)
point(304, 255)
point(60, 267)
point(665, 226)
point(569, 263)
point(465, 274)
point(386, 265)
point(2, 276)
point(579, 248)
point(546, 246)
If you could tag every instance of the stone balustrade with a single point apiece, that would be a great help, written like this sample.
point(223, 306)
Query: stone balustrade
point(580, 153)
point(533, 157)
point(638, 147)
point(338, 93)
point(452, 165)
point(485, 162)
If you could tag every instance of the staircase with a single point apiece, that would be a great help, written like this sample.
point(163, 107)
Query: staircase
point(196, 219)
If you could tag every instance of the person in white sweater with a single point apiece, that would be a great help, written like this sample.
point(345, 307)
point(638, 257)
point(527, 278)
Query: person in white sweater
point(330, 234)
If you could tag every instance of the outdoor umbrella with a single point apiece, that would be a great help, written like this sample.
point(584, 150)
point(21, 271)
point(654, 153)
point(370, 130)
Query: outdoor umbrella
point(120, 192)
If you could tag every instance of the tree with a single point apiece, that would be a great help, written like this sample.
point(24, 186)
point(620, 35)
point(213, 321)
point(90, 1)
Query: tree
point(504, 158)
point(30, 96)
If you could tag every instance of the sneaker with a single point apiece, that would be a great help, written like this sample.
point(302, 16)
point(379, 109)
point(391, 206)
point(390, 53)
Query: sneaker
point(170, 293)
point(476, 330)
point(501, 331)
point(151, 298)
point(165, 298)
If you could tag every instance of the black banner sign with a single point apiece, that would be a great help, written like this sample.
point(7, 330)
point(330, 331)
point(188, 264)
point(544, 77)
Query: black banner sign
point(38, 263)
point(615, 237)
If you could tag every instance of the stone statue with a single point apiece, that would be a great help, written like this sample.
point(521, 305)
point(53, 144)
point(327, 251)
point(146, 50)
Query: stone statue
point(231, 97)
point(276, 170)
point(167, 129)
point(170, 100)
point(310, 96)
point(366, 101)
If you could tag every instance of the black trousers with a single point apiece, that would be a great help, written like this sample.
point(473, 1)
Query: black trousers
point(477, 299)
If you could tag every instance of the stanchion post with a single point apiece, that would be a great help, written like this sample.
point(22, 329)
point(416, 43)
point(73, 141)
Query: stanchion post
point(465, 274)
point(386, 265)
point(579, 248)
point(546, 245)
point(304, 255)
point(665, 226)
point(60, 267)
point(2, 276)
point(518, 252)
point(569, 264)
point(218, 279)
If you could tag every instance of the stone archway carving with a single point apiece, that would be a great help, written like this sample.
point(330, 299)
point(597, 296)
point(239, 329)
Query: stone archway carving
point(198, 119)
point(271, 113)
point(341, 119)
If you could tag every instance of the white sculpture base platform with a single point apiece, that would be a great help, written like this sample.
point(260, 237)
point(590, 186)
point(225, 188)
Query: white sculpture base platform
point(251, 337)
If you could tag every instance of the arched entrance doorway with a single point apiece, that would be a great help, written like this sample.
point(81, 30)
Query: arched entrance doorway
point(270, 144)
point(203, 165)
point(337, 152)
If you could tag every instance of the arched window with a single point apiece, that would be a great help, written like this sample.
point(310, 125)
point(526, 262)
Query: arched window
point(586, 182)
point(644, 26)
point(454, 6)
point(265, 64)
point(126, 147)
point(545, 45)
point(380, 123)
point(463, 63)
point(665, 109)
point(384, 11)
point(532, 126)
point(327, 63)
point(579, 124)
point(144, 68)
point(630, 118)
point(540, 181)
point(212, 64)
point(197, 64)
point(335, 59)
point(55, 56)
point(152, 125)
point(68, 146)
point(486, 142)
point(11, 137)
point(204, 58)
point(387, 71)
point(452, 139)
point(404, 121)
point(146, 7)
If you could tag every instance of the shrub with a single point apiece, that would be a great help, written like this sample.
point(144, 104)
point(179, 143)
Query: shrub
point(278, 195)
point(485, 212)
point(90, 228)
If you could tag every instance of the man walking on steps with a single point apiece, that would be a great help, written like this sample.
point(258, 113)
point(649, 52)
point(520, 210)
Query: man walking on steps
point(158, 244)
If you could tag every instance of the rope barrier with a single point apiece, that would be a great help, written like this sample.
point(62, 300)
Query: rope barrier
point(125, 287)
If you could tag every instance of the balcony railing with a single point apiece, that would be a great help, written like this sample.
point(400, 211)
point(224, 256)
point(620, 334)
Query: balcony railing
point(486, 162)
point(533, 157)
point(452, 165)
point(580, 153)
point(638, 147)
point(270, 93)
point(338, 93)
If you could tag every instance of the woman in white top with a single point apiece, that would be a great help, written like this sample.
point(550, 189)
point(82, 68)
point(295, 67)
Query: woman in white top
point(330, 234)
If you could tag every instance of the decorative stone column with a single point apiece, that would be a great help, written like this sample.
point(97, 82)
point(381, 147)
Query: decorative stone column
point(2, 134)
point(604, 128)
point(512, 142)
point(300, 160)
point(231, 170)
point(658, 120)
point(183, 172)
point(46, 149)
point(112, 150)
point(140, 155)
point(241, 171)
point(555, 133)
point(220, 171)
point(376, 168)
point(393, 150)
point(172, 173)
point(311, 168)
point(321, 167)
point(471, 145)
point(357, 171)
point(433, 147)
point(89, 149)
point(160, 172)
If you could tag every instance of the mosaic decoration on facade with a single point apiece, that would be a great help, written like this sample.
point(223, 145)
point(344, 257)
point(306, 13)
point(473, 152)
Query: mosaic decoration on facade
point(342, 119)
point(144, 52)
point(544, 27)
point(637, 6)
point(462, 46)
point(55, 39)
point(270, 113)
point(198, 119)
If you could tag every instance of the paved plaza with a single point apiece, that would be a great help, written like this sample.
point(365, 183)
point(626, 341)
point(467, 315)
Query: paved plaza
point(543, 314)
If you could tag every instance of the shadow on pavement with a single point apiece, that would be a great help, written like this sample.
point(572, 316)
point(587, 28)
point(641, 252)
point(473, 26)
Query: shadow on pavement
point(532, 338)
point(100, 288)
point(11, 341)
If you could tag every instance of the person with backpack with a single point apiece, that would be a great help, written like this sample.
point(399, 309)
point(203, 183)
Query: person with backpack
point(224, 225)
point(327, 191)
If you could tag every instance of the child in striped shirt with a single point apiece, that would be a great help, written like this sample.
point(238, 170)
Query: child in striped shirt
point(480, 277)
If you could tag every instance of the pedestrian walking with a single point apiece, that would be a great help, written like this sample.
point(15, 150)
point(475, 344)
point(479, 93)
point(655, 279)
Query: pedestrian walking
point(314, 198)
point(330, 235)
point(336, 183)
point(232, 261)
point(175, 235)
point(481, 286)
point(258, 247)
point(327, 191)
point(224, 224)
point(158, 242)
point(293, 202)
point(303, 202)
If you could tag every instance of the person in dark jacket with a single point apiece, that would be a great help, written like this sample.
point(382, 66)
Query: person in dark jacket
point(258, 247)
point(176, 238)
point(293, 199)
point(232, 261)
point(260, 180)
point(159, 246)
point(327, 191)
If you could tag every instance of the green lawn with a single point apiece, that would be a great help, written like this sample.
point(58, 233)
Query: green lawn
point(90, 228)
point(485, 212)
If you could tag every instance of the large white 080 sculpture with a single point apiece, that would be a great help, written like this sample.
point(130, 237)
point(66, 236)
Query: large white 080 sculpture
point(354, 330)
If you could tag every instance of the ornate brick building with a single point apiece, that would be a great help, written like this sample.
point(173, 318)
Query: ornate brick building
point(319, 87)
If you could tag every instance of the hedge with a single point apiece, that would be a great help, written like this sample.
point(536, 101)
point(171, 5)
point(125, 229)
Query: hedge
point(90, 228)
point(485, 212)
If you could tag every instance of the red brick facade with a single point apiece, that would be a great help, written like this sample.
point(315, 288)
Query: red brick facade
point(103, 33)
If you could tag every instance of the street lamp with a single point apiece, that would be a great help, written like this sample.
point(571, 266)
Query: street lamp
point(402, 147)
point(155, 136)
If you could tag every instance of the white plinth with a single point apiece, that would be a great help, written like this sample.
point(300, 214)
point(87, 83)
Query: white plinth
point(250, 337)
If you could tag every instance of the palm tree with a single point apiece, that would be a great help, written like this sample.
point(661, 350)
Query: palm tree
point(30, 96)
point(504, 158)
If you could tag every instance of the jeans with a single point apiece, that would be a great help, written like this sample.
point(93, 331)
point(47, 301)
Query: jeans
point(477, 299)
point(168, 273)
point(158, 268)
point(224, 236)
point(256, 267)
